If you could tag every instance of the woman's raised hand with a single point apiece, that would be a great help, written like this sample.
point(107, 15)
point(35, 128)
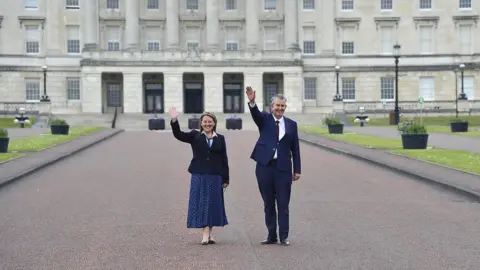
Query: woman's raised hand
point(173, 113)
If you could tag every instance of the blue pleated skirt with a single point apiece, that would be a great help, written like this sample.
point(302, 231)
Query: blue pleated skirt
point(206, 206)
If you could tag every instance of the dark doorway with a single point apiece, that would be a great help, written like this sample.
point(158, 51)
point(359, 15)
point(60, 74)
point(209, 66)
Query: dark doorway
point(233, 93)
point(153, 93)
point(272, 85)
point(193, 93)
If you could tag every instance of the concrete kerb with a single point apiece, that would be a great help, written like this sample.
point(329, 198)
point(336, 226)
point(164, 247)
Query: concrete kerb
point(52, 161)
point(473, 195)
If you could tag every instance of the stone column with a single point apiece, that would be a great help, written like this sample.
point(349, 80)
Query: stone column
point(252, 25)
point(92, 92)
point(52, 26)
point(293, 90)
point(255, 80)
point(173, 90)
point(328, 26)
point(173, 24)
point(91, 25)
point(132, 93)
point(213, 91)
point(291, 25)
point(213, 26)
point(132, 24)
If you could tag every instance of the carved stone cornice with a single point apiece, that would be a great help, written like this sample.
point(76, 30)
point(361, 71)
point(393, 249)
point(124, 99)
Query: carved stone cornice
point(36, 19)
point(347, 22)
point(432, 20)
point(386, 21)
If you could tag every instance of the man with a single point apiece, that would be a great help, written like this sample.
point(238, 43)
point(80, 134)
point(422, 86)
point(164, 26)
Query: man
point(277, 145)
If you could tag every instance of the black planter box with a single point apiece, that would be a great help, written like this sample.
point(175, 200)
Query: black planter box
point(335, 128)
point(233, 123)
point(156, 124)
point(59, 129)
point(459, 126)
point(194, 123)
point(415, 141)
point(4, 145)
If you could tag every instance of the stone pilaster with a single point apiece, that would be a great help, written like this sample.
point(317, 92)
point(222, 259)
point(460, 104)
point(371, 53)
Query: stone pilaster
point(173, 90)
point(173, 24)
point(213, 92)
point(54, 44)
point(291, 25)
point(91, 25)
point(132, 93)
point(213, 27)
point(252, 24)
point(92, 93)
point(132, 24)
point(293, 91)
point(328, 12)
point(255, 80)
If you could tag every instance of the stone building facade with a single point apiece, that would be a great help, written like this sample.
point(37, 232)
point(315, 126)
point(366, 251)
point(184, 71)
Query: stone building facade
point(148, 55)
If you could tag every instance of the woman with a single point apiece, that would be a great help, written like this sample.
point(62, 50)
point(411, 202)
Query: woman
point(210, 173)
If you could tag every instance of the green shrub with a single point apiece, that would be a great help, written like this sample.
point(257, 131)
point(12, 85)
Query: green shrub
point(3, 133)
point(58, 122)
point(412, 127)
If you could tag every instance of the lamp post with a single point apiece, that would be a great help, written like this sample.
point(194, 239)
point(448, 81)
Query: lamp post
point(456, 92)
point(45, 98)
point(396, 55)
point(462, 95)
point(337, 96)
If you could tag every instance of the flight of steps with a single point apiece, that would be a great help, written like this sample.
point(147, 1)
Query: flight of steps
point(87, 119)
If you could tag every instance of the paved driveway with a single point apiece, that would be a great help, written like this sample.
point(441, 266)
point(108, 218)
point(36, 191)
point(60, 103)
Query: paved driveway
point(122, 205)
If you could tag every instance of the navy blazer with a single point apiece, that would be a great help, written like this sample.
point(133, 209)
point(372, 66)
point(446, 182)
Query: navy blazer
point(287, 148)
point(206, 160)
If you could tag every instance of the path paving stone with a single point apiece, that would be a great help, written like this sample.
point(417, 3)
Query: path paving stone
point(122, 204)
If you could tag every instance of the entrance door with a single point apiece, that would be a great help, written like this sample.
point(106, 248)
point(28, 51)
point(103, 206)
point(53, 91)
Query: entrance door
point(232, 98)
point(154, 98)
point(193, 98)
point(270, 90)
point(114, 96)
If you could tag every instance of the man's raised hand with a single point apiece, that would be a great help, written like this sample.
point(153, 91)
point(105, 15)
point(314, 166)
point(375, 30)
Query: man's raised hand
point(173, 113)
point(250, 94)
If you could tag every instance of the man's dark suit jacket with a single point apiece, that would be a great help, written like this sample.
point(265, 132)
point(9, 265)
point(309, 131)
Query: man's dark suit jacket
point(206, 160)
point(287, 147)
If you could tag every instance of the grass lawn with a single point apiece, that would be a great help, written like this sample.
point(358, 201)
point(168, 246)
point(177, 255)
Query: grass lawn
point(7, 122)
point(37, 143)
point(427, 120)
point(353, 138)
point(461, 160)
point(7, 156)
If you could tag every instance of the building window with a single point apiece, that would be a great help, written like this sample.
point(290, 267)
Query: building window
point(425, 4)
point(192, 4)
point(230, 4)
point(309, 40)
point(427, 88)
point(31, 4)
point(32, 89)
point(310, 88)
point(386, 4)
point(32, 40)
point(270, 38)
point(231, 39)
point(348, 47)
point(113, 4)
point(465, 36)
point(72, 4)
point(468, 86)
point(426, 39)
point(73, 39)
point(153, 36)
point(152, 4)
point(387, 39)
point(348, 88)
point(387, 88)
point(308, 4)
point(73, 88)
point(467, 4)
point(348, 4)
point(270, 4)
point(192, 38)
point(113, 38)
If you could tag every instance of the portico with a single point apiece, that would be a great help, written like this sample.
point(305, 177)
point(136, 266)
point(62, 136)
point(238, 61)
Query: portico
point(189, 89)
